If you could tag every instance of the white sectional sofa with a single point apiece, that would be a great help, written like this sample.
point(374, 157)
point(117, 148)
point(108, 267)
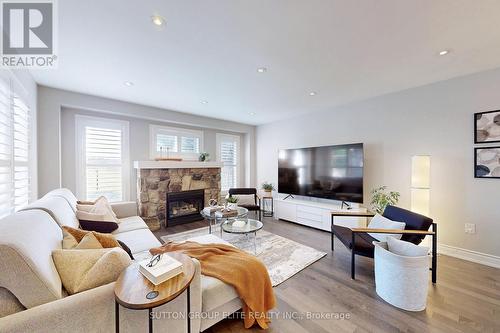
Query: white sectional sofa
point(32, 298)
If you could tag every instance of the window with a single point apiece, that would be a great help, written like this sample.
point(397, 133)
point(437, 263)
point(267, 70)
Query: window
point(228, 152)
point(103, 162)
point(175, 142)
point(15, 150)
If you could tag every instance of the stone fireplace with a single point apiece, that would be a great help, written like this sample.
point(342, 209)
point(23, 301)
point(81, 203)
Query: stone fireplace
point(157, 179)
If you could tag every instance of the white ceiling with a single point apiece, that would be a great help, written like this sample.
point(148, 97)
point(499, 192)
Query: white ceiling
point(345, 50)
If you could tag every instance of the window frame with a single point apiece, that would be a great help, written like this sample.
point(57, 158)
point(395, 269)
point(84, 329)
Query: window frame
point(154, 130)
point(82, 121)
point(219, 137)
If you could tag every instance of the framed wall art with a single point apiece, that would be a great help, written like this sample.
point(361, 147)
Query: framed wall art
point(487, 127)
point(487, 162)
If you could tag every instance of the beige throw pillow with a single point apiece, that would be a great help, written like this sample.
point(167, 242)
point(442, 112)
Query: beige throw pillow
point(245, 199)
point(89, 241)
point(82, 270)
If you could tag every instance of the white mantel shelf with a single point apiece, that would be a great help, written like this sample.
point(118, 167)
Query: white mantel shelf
point(175, 165)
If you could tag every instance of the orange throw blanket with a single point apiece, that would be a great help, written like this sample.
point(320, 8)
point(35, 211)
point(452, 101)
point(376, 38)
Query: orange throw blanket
point(244, 272)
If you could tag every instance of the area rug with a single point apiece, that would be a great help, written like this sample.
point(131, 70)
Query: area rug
point(282, 257)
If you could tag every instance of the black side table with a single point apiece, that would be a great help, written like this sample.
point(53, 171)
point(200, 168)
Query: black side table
point(267, 206)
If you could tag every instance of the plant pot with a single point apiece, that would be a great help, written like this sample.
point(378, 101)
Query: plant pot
point(232, 205)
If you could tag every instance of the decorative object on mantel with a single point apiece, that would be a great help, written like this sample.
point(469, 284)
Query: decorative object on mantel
point(204, 157)
point(487, 162)
point(267, 187)
point(487, 127)
point(381, 199)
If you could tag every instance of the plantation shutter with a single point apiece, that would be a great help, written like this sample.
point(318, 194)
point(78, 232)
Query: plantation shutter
point(21, 142)
point(103, 154)
point(15, 133)
point(166, 142)
point(190, 144)
point(229, 157)
point(6, 179)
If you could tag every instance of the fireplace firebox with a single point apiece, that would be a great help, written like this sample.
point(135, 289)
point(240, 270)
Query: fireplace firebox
point(184, 207)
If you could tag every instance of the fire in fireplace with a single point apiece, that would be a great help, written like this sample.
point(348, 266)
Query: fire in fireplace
point(184, 207)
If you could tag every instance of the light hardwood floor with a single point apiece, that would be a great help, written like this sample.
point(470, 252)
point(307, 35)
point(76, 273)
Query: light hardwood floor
point(466, 297)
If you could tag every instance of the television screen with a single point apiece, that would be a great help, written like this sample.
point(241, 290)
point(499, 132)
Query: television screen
point(329, 172)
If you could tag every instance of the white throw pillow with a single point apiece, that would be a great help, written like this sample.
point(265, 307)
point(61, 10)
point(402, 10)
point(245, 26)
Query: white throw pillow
point(406, 249)
point(380, 222)
point(102, 207)
point(245, 199)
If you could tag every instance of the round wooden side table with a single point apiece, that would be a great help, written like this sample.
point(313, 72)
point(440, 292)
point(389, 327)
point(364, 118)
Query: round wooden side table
point(134, 291)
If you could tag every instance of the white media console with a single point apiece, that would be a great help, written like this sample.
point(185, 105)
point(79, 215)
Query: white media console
point(316, 214)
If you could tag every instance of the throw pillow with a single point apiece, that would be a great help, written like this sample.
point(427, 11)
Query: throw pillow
point(74, 236)
point(86, 269)
point(89, 241)
point(406, 249)
point(91, 223)
point(245, 199)
point(102, 206)
point(126, 249)
point(380, 222)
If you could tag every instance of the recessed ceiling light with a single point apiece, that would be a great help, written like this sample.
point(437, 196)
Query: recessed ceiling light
point(204, 102)
point(128, 83)
point(252, 113)
point(158, 20)
point(261, 69)
point(312, 93)
point(444, 52)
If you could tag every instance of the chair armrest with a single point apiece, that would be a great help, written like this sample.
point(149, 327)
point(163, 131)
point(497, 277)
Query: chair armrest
point(392, 231)
point(124, 209)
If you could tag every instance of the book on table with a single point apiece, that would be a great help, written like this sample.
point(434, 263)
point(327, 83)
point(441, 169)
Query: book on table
point(166, 268)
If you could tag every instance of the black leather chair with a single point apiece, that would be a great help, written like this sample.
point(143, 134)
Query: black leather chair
point(417, 227)
point(246, 191)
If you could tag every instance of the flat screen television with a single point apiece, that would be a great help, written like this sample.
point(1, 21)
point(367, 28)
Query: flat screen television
point(328, 172)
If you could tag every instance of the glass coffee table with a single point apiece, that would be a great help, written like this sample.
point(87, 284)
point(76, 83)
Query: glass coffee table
point(212, 219)
point(245, 227)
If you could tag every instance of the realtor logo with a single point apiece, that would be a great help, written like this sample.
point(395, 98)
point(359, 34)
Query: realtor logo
point(28, 34)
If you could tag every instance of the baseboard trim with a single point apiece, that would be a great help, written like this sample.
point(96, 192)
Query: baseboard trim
point(469, 255)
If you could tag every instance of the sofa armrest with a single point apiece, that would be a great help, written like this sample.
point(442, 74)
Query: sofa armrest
point(124, 209)
point(94, 311)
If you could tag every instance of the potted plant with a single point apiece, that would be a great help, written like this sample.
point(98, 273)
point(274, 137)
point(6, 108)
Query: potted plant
point(268, 187)
point(381, 199)
point(231, 202)
point(203, 157)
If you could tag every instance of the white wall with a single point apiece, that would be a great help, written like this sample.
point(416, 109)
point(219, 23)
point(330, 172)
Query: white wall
point(436, 119)
point(138, 142)
point(51, 102)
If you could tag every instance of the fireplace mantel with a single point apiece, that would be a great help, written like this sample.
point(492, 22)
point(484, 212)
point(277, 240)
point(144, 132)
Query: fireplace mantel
point(175, 165)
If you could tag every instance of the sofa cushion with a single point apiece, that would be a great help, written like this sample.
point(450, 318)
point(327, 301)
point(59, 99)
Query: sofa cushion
point(58, 208)
point(138, 240)
point(64, 193)
point(214, 292)
point(129, 224)
point(86, 269)
point(27, 240)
